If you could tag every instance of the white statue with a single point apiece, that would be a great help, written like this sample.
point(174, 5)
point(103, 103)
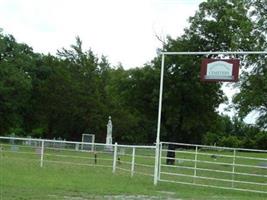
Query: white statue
point(109, 131)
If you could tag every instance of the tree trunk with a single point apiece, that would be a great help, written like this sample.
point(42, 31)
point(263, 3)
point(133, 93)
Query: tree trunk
point(170, 155)
point(175, 130)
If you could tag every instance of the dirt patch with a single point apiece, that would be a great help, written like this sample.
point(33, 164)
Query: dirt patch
point(163, 195)
point(120, 197)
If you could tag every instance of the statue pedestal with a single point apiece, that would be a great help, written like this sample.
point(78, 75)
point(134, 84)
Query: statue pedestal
point(108, 146)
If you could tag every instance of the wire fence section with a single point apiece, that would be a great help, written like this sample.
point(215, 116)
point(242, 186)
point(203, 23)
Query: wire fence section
point(211, 166)
point(127, 158)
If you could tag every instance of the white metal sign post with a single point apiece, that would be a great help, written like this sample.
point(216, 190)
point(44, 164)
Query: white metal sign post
point(159, 121)
point(156, 175)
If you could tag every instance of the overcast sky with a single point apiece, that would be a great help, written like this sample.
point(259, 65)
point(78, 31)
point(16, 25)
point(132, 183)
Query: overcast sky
point(122, 30)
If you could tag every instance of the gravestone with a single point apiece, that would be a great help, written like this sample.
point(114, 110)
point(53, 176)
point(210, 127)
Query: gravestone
point(13, 147)
point(28, 142)
point(77, 147)
point(38, 150)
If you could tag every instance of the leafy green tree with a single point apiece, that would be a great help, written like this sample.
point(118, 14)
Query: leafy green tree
point(218, 25)
point(253, 93)
point(134, 107)
point(253, 88)
point(70, 93)
point(230, 141)
point(261, 140)
point(65, 95)
point(235, 133)
point(15, 83)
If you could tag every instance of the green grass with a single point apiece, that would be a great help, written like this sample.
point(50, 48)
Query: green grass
point(22, 178)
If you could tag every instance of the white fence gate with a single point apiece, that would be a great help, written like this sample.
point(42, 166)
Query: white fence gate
point(211, 166)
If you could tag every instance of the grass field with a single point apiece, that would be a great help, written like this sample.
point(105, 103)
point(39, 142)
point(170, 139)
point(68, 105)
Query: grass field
point(75, 175)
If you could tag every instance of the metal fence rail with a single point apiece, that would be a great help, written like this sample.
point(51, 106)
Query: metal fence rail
point(201, 165)
point(212, 166)
point(130, 158)
point(136, 159)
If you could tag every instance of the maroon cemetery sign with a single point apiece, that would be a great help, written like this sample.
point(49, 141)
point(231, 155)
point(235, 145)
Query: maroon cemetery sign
point(219, 70)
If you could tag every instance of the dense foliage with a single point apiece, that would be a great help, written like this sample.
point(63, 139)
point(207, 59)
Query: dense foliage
point(75, 91)
point(253, 94)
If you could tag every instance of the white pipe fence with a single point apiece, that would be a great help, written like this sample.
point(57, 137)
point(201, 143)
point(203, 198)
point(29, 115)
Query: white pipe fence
point(201, 165)
point(217, 167)
point(127, 158)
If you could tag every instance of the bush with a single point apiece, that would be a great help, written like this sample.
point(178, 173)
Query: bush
point(249, 143)
point(261, 140)
point(16, 132)
point(230, 141)
point(37, 132)
point(211, 138)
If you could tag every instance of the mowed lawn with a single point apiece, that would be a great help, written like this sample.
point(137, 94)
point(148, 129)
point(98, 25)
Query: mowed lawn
point(21, 177)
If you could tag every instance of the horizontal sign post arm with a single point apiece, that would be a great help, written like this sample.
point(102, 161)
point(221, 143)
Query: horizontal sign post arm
point(215, 53)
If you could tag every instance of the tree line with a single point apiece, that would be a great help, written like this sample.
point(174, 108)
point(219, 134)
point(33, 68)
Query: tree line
point(75, 91)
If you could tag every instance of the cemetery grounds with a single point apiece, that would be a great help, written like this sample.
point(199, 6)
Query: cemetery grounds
point(82, 175)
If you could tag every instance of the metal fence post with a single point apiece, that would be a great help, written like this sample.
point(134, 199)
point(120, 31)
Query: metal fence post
point(133, 160)
point(160, 155)
point(195, 167)
point(233, 169)
point(42, 153)
point(156, 164)
point(115, 157)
